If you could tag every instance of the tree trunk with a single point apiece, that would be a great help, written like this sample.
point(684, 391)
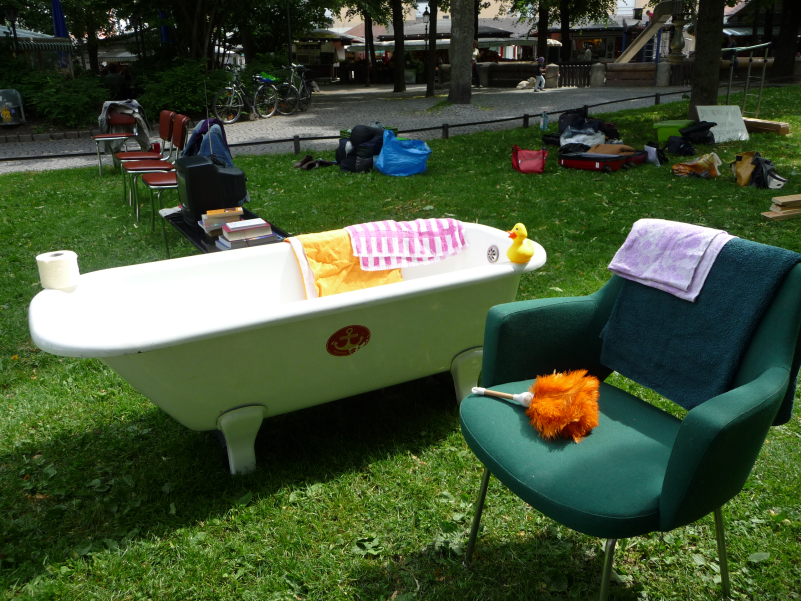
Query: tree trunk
point(461, 50)
point(787, 42)
point(542, 32)
point(431, 58)
point(709, 41)
point(368, 46)
point(400, 53)
point(768, 31)
point(476, 10)
point(91, 50)
point(247, 44)
point(564, 23)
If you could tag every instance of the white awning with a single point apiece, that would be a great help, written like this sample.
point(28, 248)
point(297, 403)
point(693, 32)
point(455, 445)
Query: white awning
point(412, 45)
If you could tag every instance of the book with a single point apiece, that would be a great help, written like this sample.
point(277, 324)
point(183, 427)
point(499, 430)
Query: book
point(223, 244)
point(211, 229)
point(248, 228)
point(220, 219)
point(216, 213)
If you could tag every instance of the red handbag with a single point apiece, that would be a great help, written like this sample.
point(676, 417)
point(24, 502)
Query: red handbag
point(528, 161)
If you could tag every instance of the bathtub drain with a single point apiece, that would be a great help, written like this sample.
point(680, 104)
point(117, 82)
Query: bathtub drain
point(492, 254)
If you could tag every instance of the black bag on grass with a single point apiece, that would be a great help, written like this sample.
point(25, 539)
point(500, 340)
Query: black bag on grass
point(568, 117)
point(573, 148)
point(679, 145)
point(551, 139)
point(698, 133)
point(610, 130)
point(764, 174)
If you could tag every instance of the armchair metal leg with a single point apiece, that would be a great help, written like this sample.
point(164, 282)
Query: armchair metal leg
point(722, 561)
point(482, 494)
point(606, 576)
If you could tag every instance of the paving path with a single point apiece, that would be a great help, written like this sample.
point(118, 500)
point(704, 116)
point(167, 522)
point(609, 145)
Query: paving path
point(340, 107)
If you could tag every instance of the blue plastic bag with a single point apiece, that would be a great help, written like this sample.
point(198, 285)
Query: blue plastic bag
point(402, 157)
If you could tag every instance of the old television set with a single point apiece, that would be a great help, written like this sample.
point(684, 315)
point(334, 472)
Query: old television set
point(204, 186)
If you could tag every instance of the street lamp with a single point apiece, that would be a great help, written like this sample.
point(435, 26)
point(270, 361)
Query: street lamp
point(11, 15)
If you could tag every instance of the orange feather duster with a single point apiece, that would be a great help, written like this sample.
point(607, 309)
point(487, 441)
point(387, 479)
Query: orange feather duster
point(564, 405)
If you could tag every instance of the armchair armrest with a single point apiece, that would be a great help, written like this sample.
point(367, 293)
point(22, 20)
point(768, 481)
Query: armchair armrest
point(530, 338)
point(716, 447)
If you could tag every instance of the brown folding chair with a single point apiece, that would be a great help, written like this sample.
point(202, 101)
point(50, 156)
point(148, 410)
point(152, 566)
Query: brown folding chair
point(165, 135)
point(134, 169)
point(115, 119)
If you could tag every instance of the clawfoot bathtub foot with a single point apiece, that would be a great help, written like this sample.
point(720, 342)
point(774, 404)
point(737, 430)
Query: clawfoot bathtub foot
point(465, 369)
point(240, 427)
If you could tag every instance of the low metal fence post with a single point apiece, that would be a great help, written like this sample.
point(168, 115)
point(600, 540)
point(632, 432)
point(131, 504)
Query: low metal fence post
point(296, 144)
point(525, 120)
point(657, 98)
point(445, 131)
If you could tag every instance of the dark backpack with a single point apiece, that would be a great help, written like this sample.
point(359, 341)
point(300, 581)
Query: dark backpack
point(552, 139)
point(679, 145)
point(699, 133)
point(567, 118)
point(609, 130)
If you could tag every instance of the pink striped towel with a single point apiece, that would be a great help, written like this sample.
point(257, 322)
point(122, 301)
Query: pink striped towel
point(392, 244)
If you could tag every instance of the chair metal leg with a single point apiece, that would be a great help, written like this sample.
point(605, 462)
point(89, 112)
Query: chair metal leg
point(482, 494)
point(99, 162)
point(722, 561)
point(135, 195)
point(152, 210)
point(606, 576)
point(125, 184)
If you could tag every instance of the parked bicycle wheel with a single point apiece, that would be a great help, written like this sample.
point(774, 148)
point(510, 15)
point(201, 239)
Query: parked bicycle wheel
point(266, 101)
point(288, 99)
point(305, 97)
point(228, 105)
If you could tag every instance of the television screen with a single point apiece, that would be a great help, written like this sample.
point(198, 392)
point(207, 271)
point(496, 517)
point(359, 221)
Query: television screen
point(204, 186)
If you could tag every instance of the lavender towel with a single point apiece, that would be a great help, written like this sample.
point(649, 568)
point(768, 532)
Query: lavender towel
point(669, 256)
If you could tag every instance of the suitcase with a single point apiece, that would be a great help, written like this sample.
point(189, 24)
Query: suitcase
point(606, 163)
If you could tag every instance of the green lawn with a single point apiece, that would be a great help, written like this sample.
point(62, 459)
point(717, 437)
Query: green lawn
point(103, 496)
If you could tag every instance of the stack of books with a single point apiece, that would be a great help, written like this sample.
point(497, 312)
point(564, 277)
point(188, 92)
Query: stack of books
point(212, 222)
point(248, 232)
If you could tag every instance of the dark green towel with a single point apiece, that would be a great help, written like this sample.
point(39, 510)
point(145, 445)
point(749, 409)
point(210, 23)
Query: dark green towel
point(689, 352)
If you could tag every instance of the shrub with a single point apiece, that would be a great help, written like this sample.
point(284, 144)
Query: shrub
point(69, 102)
point(52, 96)
point(180, 88)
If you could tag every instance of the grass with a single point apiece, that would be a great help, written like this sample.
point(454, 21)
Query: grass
point(103, 496)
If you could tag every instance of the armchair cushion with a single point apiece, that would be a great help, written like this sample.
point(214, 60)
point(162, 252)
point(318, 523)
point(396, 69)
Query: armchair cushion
point(690, 352)
point(608, 485)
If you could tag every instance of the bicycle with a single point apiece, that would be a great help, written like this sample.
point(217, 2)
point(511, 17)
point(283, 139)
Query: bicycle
point(229, 101)
point(292, 97)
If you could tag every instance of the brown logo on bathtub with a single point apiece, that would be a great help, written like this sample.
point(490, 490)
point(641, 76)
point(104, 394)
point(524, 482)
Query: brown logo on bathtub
point(346, 341)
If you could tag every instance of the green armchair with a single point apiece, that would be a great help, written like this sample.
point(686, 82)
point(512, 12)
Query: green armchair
point(641, 469)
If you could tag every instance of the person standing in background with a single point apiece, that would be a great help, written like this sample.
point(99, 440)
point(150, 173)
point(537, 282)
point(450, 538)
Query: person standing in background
point(539, 73)
point(476, 80)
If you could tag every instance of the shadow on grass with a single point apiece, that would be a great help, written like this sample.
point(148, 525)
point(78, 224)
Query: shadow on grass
point(543, 566)
point(79, 492)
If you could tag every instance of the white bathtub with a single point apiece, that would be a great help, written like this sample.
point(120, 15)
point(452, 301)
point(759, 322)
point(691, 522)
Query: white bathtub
point(221, 341)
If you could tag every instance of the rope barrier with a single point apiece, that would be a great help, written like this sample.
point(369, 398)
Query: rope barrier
point(445, 127)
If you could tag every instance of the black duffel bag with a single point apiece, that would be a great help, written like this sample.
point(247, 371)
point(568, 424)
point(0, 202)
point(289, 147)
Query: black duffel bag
point(679, 145)
point(699, 133)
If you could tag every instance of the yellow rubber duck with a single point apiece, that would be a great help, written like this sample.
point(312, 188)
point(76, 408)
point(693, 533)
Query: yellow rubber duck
point(522, 248)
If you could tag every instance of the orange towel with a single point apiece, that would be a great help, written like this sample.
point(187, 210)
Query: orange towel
point(335, 268)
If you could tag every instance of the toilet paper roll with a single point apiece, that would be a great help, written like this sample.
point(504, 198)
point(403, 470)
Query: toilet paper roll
point(58, 270)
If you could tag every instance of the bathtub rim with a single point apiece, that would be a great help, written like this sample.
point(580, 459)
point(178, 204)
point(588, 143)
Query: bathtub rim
point(60, 338)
